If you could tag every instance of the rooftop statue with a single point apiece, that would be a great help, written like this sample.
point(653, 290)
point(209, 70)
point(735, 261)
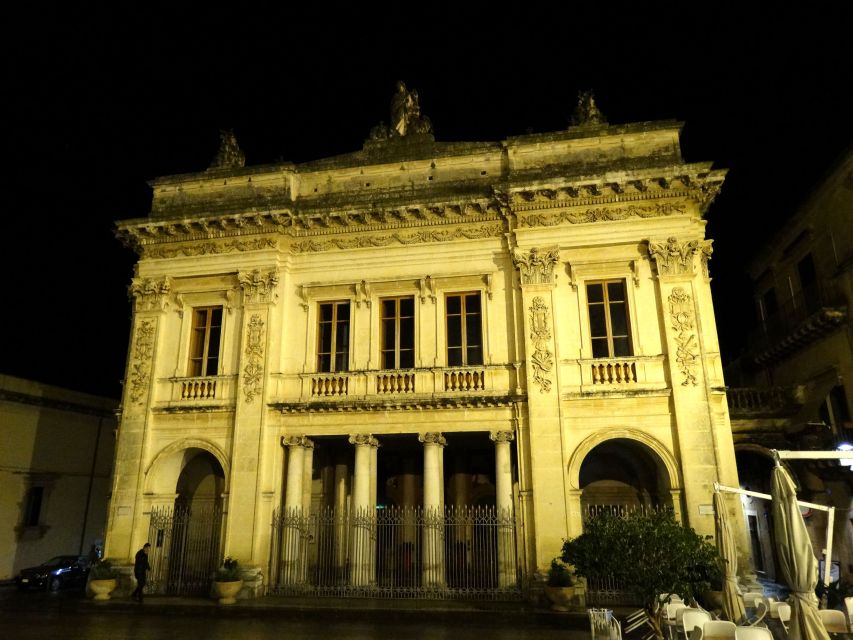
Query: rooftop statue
point(587, 112)
point(406, 118)
point(229, 155)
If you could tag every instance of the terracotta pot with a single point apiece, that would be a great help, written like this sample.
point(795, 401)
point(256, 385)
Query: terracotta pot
point(227, 591)
point(102, 588)
point(562, 598)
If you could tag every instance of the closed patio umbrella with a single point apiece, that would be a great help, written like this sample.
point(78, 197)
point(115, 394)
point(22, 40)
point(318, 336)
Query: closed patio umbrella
point(733, 607)
point(797, 562)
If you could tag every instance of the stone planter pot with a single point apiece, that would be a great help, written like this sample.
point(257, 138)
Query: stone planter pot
point(102, 588)
point(564, 598)
point(227, 591)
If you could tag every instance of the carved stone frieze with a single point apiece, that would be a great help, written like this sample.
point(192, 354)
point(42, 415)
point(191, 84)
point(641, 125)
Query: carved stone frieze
point(681, 316)
point(501, 436)
point(434, 235)
point(433, 438)
point(208, 248)
point(140, 366)
point(542, 360)
point(254, 352)
point(603, 214)
point(258, 286)
point(677, 258)
point(149, 294)
point(363, 440)
point(537, 266)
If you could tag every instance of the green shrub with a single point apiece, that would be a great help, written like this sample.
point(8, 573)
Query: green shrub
point(102, 570)
point(229, 571)
point(559, 575)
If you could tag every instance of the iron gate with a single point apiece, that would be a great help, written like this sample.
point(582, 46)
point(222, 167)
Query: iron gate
point(397, 552)
point(185, 549)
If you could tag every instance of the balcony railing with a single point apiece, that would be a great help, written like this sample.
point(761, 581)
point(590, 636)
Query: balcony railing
point(613, 374)
point(395, 382)
point(198, 390)
point(330, 385)
point(760, 401)
point(465, 380)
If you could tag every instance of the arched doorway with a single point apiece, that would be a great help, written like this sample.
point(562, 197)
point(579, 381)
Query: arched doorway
point(622, 474)
point(186, 535)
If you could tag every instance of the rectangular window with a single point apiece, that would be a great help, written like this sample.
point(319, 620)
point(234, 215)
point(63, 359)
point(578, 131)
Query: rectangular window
point(32, 506)
point(398, 333)
point(333, 337)
point(608, 319)
point(464, 330)
point(205, 342)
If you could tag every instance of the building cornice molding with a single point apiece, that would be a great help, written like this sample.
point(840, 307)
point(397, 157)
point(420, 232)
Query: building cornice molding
point(468, 402)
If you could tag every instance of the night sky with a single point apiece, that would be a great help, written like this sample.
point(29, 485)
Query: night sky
point(102, 103)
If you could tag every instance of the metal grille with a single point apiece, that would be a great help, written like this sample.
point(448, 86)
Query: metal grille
point(185, 549)
point(396, 552)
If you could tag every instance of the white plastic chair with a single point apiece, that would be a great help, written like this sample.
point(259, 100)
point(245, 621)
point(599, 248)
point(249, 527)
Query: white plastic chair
point(753, 633)
point(693, 619)
point(784, 611)
point(719, 629)
point(602, 624)
point(834, 620)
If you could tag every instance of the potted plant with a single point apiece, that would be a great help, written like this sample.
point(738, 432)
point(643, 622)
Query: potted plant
point(227, 581)
point(102, 579)
point(559, 587)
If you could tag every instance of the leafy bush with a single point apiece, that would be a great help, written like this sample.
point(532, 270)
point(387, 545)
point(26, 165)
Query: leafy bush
point(229, 571)
point(649, 553)
point(102, 570)
point(559, 575)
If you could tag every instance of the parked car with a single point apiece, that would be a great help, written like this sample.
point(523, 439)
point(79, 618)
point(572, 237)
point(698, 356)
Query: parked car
point(55, 574)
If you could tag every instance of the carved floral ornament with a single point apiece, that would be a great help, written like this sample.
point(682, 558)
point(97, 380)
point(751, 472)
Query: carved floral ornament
point(150, 294)
point(542, 360)
point(143, 350)
point(258, 286)
point(254, 352)
point(681, 317)
point(676, 258)
point(537, 266)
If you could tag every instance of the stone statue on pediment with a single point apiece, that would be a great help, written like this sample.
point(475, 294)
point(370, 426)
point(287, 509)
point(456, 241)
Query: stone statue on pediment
point(229, 156)
point(406, 117)
point(587, 112)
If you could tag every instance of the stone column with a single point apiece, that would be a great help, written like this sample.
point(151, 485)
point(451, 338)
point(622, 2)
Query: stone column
point(503, 499)
point(341, 491)
point(362, 558)
point(408, 480)
point(307, 477)
point(292, 542)
point(433, 537)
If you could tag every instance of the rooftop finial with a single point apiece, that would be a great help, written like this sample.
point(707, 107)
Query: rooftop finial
point(229, 155)
point(587, 112)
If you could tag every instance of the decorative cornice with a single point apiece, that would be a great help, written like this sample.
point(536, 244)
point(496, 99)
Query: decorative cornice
point(603, 214)
point(542, 360)
point(428, 236)
point(401, 404)
point(254, 370)
point(501, 436)
point(363, 440)
point(149, 294)
point(432, 437)
point(537, 266)
point(681, 316)
point(676, 258)
point(258, 286)
point(208, 248)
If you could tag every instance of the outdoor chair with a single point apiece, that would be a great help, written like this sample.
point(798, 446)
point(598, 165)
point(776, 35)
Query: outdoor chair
point(694, 619)
point(761, 609)
point(833, 620)
point(784, 611)
point(672, 609)
point(750, 597)
point(603, 625)
point(719, 629)
point(848, 604)
point(753, 633)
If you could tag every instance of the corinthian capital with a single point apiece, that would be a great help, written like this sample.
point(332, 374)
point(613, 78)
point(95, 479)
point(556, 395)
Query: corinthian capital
point(433, 438)
point(149, 294)
point(502, 436)
point(297, 441)
point(258, 286)
point(674, 257)
point(537, 266)
point(363, 440)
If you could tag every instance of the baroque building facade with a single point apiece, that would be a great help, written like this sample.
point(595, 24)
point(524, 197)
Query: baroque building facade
point(792, 388)
point(416, 366)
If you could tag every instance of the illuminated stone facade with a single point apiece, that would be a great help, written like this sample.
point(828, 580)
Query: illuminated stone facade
point(524, 324)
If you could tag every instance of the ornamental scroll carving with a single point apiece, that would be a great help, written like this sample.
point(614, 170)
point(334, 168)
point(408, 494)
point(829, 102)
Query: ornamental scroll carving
point(209, 248)
point(361, 242)
point(603, 214)
point(542, 360)
point(258, 286)
point(433, 438)
point(537, 266)
point(676, 258)
point(143, 349)
point(686, 352)
point(149, 294)
point(254, 352)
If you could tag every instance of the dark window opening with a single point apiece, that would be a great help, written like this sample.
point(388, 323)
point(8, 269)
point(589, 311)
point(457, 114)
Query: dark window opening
point(205, 342)
point(32, 507)
point(608, 319)
point(398, 333)
point(464, 330)
point(333, 337)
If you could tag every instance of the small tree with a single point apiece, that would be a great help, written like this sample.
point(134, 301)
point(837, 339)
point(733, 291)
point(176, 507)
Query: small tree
point(650, 553)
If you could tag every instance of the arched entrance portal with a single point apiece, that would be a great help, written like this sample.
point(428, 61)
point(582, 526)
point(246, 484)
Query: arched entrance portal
point(623, 474)
point(186, 535)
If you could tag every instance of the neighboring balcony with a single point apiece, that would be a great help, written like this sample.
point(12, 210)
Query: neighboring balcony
point(807, 317)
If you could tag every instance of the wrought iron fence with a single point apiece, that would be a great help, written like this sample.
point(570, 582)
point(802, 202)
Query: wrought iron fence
point(185, 548)
point(397, 552)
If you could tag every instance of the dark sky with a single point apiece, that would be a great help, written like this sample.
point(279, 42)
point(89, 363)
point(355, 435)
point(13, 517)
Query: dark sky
point(101, 103)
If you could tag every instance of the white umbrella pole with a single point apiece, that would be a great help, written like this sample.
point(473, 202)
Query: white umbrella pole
point(827, 565)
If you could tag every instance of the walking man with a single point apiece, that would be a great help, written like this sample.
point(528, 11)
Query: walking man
point(140, 571)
